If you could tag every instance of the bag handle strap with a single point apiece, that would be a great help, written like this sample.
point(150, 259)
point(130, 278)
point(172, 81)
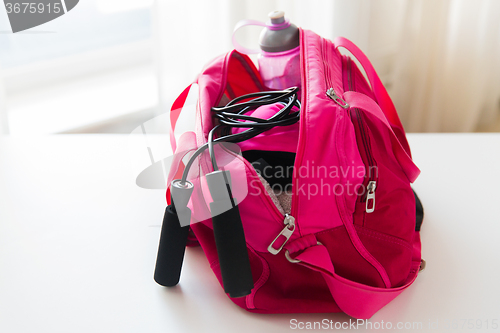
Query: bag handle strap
point(175, 112)
point(187, 140)
point(366, 104)
point(383, 98)
point(355, 299)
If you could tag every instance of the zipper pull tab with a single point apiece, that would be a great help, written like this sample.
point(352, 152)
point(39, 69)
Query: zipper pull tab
point(286, 232)
point(336, 98)
point(370, 196)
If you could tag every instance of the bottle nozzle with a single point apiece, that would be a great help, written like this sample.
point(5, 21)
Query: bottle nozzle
point(277, 17)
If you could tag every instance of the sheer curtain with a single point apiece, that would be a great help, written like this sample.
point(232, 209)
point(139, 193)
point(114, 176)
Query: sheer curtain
point(448, 69)
point(3, 111)
point(439, 59)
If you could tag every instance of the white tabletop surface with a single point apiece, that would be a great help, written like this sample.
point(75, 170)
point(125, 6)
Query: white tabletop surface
point(78, 243)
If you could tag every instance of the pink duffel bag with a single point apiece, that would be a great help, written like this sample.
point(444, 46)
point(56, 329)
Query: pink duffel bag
point(347, 240)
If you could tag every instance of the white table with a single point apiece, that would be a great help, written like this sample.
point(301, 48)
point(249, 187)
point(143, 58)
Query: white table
point(78, 243)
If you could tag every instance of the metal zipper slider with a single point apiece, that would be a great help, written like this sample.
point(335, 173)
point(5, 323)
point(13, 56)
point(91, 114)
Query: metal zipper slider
point(370, 196)
point(286, 232)
point(336, 98)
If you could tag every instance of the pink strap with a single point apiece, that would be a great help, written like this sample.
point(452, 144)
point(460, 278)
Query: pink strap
point(378, 88)
point(244, 23)
point(175, 112)
point(187, 141)
point(365, 103)
point(353, 298)
point(239, 25)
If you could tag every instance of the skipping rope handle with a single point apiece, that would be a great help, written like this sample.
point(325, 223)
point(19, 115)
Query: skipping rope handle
point(228, 230)
point(174, 235)
point(229, 236)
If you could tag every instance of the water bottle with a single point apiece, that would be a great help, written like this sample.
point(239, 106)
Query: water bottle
point(279, 54)
point(279, 59)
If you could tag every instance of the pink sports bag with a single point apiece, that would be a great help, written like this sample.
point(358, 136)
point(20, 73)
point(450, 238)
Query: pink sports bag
point(344, 234)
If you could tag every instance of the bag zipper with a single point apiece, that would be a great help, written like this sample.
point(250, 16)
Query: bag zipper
point(370, 181)
point(287, 232)
point(304, 86)
point(300, 146)
point(287, 219)
point(372, 184)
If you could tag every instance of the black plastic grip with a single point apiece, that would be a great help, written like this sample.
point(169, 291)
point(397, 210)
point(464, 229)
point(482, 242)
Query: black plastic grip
point(232, 250)
point(173, 239)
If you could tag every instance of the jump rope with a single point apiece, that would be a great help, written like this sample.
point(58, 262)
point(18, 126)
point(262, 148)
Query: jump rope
point(228, 230)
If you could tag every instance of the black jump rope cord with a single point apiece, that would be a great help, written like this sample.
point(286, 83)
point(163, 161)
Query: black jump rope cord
point(228, 230)
point(230, 114)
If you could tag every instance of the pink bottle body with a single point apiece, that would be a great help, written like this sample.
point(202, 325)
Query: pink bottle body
point(280, 70)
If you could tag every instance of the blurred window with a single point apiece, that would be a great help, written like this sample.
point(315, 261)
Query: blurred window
point(95, 56)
